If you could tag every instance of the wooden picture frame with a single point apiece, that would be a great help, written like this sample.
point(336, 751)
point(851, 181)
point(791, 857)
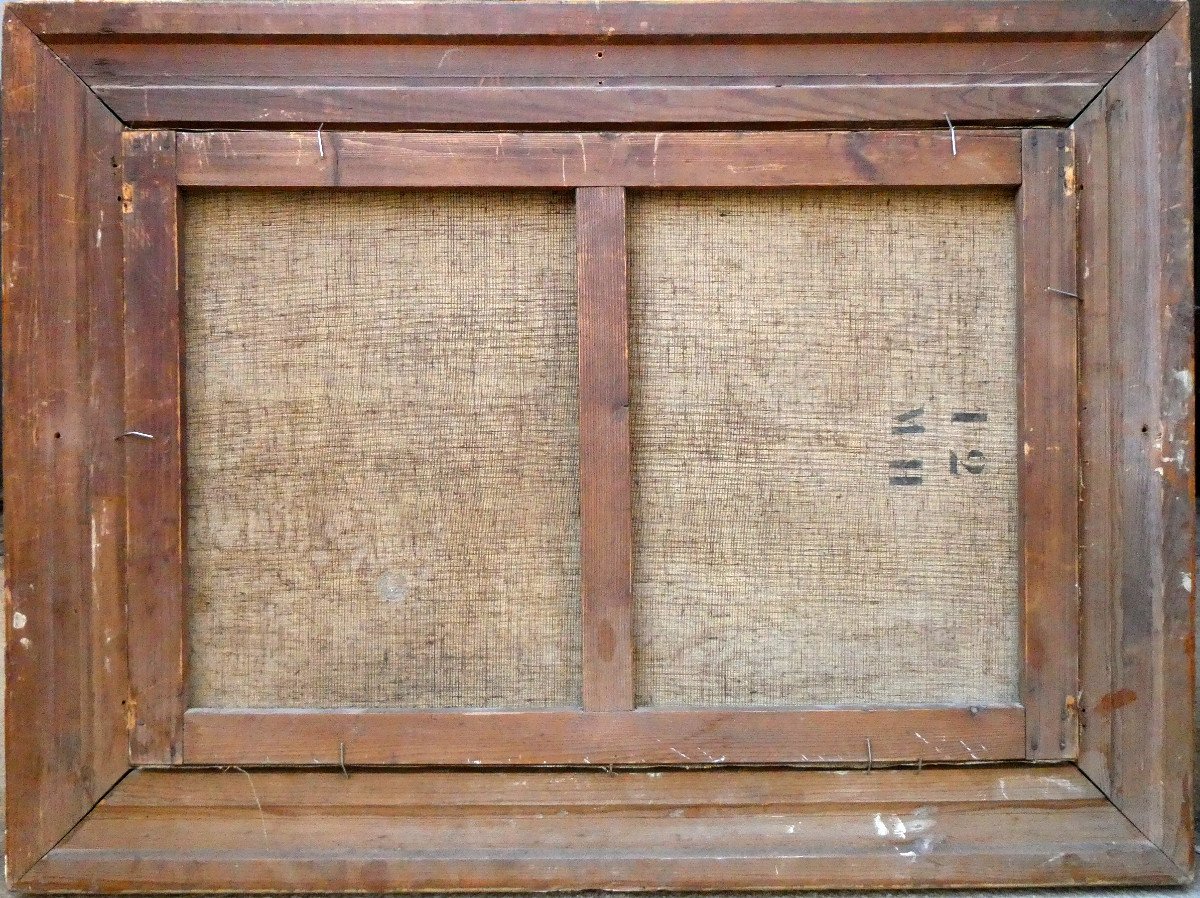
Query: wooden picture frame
point(115, 784)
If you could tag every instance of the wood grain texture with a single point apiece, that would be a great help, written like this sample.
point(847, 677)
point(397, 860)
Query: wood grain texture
point(605, 472)
point(986, 99)
point(134, 62)
point(1138, 425)
point(65, 681)
point(616, 19)
point(499, 791)
point(1046, 75)
point(62, 335)
point(1049, 435)
point(1097, 449)
point(643, 63)
point(683, 737)
point(685, 830)
point(596, 159)
point(154, 448)
point(103, 232)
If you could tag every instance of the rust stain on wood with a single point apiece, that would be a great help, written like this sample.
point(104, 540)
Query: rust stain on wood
point(1114, 701)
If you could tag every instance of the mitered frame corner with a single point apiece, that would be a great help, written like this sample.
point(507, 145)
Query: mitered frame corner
point(69, 671)
point(1137, 516)
point(66, 670)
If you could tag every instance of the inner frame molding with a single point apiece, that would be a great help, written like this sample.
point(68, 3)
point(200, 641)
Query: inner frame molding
point(646, 736)
point(84, 711)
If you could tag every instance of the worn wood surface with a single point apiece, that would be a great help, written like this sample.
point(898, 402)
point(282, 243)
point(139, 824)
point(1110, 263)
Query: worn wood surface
point(605, 473)
point(1049, 438)
point(1138, 382)
point(62, 303)
point(600, 738)
point(994, 99)
point(133, 62)
point(153, 447)
point(617, 19)
point(64, 733)
point(251, 830)
point(644, 63)
point(1097, 449)
point(425, 790)
point(101, 230)
point(594, 159)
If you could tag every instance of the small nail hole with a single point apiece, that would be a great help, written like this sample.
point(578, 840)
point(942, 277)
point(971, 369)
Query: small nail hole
point(57, 435)
point(1145, 428)
point(600, 55)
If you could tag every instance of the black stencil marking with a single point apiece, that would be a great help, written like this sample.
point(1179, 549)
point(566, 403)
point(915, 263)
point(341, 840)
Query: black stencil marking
point(968, 417)
point(972, 464)
point(906, 464)
point(907, 422)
